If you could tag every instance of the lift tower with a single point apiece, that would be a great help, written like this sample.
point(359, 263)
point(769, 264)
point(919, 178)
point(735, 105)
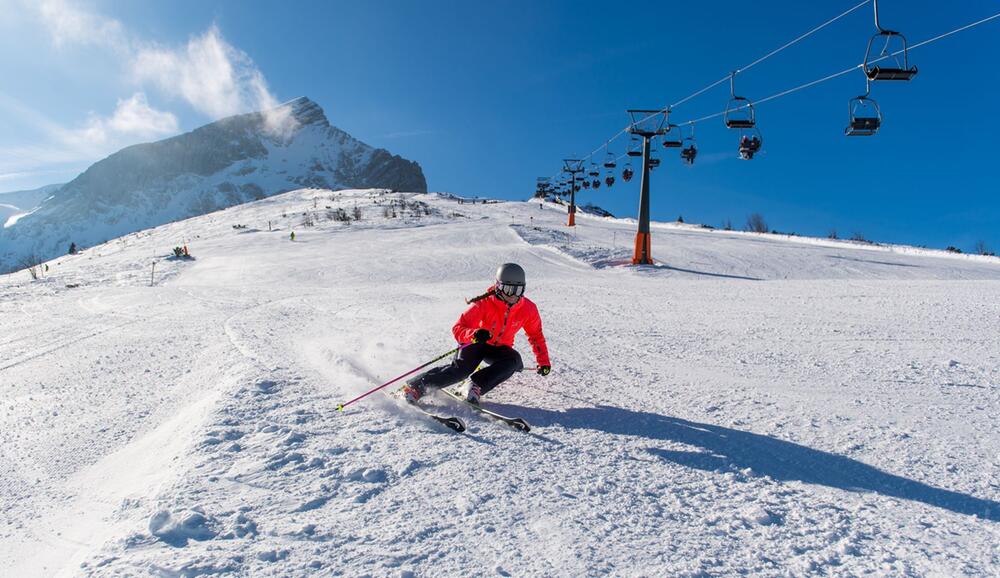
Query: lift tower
point(646, 124)
point(572, 166)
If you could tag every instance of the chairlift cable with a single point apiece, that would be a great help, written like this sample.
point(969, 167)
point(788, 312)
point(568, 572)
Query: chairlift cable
point(765, 57)
point(808, 84)
point(807, 34)
point(727, 77)
point(848, 70)
point(966, 27)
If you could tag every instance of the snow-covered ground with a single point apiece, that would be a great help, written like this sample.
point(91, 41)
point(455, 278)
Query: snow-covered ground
point(754, 404)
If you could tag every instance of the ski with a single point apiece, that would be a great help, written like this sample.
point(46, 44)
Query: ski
point(450, 422)
point(515, 422)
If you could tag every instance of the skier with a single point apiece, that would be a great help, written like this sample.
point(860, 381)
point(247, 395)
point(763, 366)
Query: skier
point(748, 147)
point(489, 327)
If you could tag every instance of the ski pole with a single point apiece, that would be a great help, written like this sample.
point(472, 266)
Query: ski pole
point(390, 382)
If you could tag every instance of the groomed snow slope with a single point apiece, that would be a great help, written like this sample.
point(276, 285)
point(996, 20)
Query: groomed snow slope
point(753, 405)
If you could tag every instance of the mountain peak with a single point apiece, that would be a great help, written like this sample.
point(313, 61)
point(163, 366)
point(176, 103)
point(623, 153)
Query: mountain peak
point(305, 111)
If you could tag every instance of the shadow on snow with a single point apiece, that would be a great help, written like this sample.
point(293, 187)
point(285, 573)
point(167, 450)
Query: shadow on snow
point(726, 449)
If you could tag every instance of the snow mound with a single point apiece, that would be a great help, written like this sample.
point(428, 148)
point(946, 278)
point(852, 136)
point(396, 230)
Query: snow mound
point(177, 529)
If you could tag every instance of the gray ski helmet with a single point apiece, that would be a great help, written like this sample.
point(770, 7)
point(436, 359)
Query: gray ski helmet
point(510, 280)
point(510, 274)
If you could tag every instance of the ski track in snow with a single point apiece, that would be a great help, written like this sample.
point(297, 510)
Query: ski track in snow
point(752, 405)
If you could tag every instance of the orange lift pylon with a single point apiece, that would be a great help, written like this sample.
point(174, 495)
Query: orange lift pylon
point(646, 124)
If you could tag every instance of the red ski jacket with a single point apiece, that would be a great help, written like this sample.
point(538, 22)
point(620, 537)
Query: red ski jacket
point(504, 321)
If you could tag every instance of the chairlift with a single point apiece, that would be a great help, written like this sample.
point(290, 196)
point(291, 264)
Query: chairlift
point(594, 170)
point(596, 183)
point(609, 160)
point(865, 115)
point(750, 143)
point(739, 111)
point(609, 180)
point(690, 149)
point(627, 172)
point(634, 148)
point(585, 183)
point(897, 68)
point(672, 136)
point(653, 162)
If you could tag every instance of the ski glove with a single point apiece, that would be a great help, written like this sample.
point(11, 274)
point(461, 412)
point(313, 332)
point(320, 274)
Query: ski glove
point(481, 336)
point(544, 369)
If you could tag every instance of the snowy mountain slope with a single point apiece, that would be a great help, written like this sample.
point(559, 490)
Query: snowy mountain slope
point(19, 203)
point(697, 422)
point(225, 163)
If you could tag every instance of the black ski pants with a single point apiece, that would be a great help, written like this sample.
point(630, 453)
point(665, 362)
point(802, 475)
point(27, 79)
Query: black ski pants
point(502, 362)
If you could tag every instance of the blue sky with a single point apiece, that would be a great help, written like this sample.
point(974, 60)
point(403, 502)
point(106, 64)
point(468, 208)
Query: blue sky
point(487, 96)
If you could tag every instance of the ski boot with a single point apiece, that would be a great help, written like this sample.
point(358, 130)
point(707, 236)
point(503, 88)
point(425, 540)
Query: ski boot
point(412, 392)
point(473, 393)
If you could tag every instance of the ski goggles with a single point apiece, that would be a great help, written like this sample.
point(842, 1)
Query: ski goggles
point(510, 289)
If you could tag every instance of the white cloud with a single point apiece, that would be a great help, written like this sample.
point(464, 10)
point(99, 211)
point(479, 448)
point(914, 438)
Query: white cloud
point(209, 74)
point(69, 25)
point(213, 76)
point(133, 119)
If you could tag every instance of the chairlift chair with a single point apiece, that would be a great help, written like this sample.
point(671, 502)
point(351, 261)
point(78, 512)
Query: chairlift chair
point(739, 110)
point(609, 180)
point(653, 163)
point(594, 170)
point(596, 183)
point(585, 183)
point(672, 137)
point(689, 150)
point(865, 115)
point(627, 172)
point(898, 69)
point(634, 148)
point(609, 160)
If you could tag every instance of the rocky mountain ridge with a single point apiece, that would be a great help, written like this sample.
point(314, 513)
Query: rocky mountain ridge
point(228, 162)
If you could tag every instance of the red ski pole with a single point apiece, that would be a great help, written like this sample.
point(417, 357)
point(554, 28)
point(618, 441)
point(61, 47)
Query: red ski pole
point(392, 381)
